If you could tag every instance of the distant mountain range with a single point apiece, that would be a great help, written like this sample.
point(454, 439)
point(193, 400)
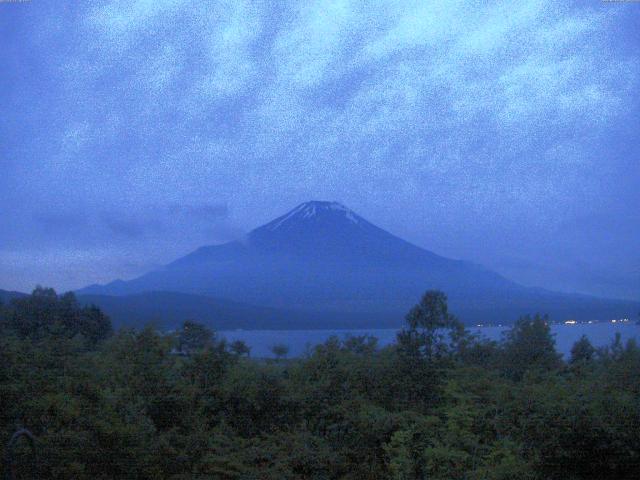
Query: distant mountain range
point(323, 266)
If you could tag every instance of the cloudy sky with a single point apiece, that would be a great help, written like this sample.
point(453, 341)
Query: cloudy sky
point(506, 133)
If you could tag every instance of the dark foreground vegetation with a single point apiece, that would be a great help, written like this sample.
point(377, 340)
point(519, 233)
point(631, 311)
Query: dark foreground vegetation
point(437, 405)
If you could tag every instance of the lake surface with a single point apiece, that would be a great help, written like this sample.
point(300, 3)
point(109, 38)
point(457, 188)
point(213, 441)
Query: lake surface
point(299, 341)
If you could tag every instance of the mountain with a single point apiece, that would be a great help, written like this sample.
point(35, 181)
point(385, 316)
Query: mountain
point(323, 259)
point(6, 296)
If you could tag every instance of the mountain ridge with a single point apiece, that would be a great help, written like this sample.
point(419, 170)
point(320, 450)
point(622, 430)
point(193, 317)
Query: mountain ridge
point(323, 257)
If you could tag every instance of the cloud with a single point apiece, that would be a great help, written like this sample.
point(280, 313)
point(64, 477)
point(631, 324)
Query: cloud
point(401, 71)
point(308, 54)
point(129, 223)
point(121, 21)
point(206, 212)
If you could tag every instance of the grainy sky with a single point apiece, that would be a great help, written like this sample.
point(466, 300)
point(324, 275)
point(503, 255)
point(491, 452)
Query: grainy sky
point(505, 133)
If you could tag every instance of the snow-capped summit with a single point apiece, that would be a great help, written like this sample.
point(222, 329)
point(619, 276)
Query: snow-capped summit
point(313, 209)
point(316, 229)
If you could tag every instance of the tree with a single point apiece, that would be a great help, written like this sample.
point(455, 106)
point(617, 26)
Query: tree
point(529, 345)
point(582, 351)
point(44, 313)
point(360, 344)
point(432, 330)
point(280, 351)
point(194, 337)
point(240, 348)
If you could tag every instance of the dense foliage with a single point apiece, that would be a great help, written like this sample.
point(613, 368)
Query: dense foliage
point(439, 404)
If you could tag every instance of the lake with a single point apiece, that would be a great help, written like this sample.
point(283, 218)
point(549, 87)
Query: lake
point(298, 341)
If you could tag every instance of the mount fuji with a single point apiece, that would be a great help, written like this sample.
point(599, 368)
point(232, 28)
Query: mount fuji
point(323, 265)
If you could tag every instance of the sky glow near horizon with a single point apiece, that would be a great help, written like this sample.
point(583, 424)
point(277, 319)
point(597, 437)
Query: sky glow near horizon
point(133, 132)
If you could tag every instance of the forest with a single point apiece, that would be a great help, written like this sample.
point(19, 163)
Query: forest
point(438, 404)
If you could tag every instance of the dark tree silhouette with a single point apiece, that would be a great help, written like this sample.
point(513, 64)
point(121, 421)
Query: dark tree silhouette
point(529, 345)
point(432, 331)
point(582, 351)
point(240, 348)
point(280, 351)
point(193, 337)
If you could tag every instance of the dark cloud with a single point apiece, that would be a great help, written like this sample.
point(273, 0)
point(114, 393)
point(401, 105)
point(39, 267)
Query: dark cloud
point(213, 212)
point(69, 222)
point(129, 227)
point(128, 223)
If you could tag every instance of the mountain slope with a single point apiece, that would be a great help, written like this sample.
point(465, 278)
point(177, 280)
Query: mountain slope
point(322, 257)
